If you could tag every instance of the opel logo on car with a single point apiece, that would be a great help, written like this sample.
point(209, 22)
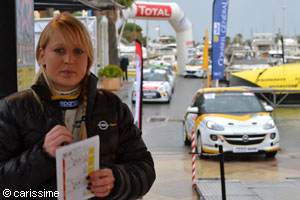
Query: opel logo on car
point(245, 138)
point(103, 125)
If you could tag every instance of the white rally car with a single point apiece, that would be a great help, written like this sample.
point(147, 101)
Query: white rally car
point(156, 86)
point(170, 72)
point(194, 68)
point(233, 118)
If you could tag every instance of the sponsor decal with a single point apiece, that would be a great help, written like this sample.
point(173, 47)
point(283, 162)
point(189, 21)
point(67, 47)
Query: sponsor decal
point(209, 96)
point(150, 88)
point(217, 28)
point(158, 11)
point(103, 125)
point(68, 104)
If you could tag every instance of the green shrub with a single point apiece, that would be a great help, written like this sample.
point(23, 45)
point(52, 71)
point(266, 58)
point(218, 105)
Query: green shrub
point(110, 71)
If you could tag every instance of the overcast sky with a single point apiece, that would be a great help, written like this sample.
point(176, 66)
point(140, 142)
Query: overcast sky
point(244, 16)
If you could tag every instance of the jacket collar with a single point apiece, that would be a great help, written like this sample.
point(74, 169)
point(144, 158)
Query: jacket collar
point(42, 89)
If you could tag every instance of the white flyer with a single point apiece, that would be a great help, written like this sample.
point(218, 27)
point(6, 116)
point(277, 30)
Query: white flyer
point(73, 164)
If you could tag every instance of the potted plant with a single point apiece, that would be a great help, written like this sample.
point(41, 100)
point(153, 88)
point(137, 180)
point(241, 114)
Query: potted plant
point(110, 75)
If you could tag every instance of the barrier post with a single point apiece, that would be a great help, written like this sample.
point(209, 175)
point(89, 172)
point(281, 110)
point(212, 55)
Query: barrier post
point(222, 172)
point(193, 145)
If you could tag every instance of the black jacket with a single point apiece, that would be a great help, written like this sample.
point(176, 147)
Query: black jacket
point(24, 123)
point(124, 64)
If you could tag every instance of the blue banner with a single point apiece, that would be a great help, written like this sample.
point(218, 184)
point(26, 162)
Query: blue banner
point(220, 11)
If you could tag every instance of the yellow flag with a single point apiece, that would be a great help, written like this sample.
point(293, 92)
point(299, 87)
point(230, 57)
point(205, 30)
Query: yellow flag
point(205, 52)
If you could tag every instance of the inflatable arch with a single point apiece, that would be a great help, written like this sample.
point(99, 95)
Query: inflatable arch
point(177, 19)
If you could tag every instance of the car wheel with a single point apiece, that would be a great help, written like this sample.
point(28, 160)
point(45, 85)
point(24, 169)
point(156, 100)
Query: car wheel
point(271, 154)
point(199, 146)
point(184, 135)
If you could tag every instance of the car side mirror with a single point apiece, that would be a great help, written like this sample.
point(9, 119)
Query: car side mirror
point(194, 110)
point(268, 108)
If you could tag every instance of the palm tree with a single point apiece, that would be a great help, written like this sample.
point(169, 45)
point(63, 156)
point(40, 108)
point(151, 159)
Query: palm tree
point(238, 39)
point(112, 16)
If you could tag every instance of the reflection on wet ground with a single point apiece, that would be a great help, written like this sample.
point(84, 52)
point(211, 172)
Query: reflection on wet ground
point(286, 163)
point(173, 161)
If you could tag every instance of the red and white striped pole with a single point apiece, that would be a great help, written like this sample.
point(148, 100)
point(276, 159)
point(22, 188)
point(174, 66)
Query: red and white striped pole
point(193, 145)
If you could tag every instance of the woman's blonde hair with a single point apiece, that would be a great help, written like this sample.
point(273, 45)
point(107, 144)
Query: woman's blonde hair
point(71, 29)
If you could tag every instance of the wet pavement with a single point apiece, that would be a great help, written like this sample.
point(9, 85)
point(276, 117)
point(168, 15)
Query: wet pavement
point(256, 175)
point(250, 190)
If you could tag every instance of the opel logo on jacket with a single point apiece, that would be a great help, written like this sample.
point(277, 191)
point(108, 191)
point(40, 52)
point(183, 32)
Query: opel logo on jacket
point(103, 125)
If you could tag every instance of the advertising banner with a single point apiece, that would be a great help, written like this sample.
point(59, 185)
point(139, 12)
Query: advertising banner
point(155, 11)
point(25, 44)
point(139, 84)
point(220, 11)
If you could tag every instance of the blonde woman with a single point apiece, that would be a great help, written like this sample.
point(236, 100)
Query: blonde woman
point(62, 107)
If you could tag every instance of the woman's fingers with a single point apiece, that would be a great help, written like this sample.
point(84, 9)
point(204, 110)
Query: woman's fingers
point(101, 182)
point(55, 138)
point(58, 130)
point(59, 140)
point(101, 173)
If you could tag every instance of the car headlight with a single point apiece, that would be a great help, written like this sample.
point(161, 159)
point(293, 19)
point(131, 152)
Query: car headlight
point(161, 89)
point(166, 86)
point(270, 124)
point(214, 126)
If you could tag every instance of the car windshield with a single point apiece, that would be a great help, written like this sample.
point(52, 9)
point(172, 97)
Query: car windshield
point(149, 76)
point(195, 62)
point(162, 67)
point(237, 102)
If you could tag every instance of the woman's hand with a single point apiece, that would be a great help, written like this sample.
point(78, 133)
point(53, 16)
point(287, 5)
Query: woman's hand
point(101, 182)
point(55, 138)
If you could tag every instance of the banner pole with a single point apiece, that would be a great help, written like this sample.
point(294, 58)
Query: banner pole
point(208, 80)
point(205, 58)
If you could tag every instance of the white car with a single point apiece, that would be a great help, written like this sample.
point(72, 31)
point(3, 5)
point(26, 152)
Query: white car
point(164, 60)
point(194, 68)
point(170, 71)
point(156, 86)
point(233, 118)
